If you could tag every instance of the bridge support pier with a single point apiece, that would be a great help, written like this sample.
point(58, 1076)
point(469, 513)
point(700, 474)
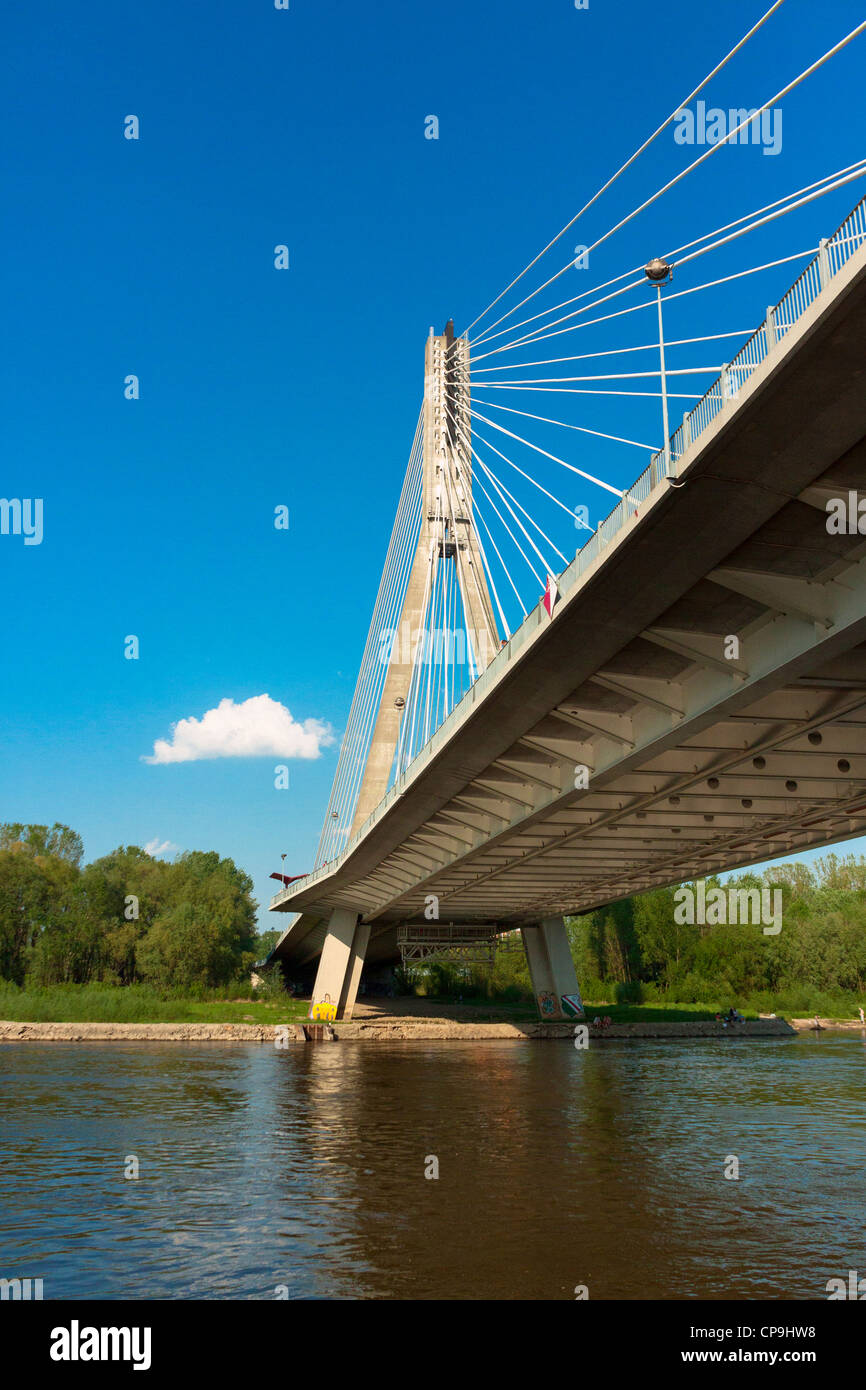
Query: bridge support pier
point(341, 963)
point(551, 968)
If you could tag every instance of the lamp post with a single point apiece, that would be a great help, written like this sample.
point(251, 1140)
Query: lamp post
point(659, 273)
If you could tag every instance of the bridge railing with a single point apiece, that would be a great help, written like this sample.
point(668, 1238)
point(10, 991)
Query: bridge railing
point(832, 256)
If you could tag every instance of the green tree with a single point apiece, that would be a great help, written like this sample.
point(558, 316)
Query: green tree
point(667, 947)
point(58, 841)
point(25, 904)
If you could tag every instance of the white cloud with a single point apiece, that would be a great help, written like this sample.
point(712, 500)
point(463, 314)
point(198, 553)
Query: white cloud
point(157, 846)
point(256, 728)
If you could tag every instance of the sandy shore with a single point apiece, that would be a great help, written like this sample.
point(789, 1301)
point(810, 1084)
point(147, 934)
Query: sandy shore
point(843, 1025)
point(381, 1029)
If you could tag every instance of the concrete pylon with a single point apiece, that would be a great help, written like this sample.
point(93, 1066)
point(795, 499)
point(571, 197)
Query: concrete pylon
point(447, 408)
point(551, 968)
point(447, 532)
point(340, 965)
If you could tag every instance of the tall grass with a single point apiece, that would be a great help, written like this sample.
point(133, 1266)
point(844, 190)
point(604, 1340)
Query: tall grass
point(96, 1003)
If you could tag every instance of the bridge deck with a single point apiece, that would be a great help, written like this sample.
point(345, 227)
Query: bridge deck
point(697, 762)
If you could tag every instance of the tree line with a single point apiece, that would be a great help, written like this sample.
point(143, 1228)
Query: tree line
point(124, 919)
point(643, 948)
point(190, 925)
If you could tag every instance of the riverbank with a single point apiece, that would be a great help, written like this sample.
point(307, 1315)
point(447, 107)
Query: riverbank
point(141, 1005)
point(835, 1025)
point(378, 1019)
point(397, 1029)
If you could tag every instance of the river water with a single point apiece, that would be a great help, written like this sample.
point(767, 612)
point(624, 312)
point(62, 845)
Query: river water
point(301, 1173)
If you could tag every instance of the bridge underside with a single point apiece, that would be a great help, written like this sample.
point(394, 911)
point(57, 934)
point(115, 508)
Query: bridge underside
point(702, 753)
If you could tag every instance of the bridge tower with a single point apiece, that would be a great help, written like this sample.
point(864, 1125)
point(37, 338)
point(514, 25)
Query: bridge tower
point(447, 533)
point(447, 536)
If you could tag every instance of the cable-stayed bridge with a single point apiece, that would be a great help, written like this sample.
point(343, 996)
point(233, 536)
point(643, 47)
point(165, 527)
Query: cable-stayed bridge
point(538, 730)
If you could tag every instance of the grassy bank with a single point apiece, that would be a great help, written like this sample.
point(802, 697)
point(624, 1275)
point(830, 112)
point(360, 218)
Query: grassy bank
point(138, 1004)
point(632, 1002)
point(144, 1004)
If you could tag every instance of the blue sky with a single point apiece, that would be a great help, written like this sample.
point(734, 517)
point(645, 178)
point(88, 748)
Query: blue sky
point(262, 387)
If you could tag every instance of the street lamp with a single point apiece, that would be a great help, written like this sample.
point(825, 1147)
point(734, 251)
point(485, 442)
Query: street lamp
point(659, 273)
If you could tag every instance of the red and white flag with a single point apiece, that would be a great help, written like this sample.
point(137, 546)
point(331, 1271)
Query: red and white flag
point(551, 594)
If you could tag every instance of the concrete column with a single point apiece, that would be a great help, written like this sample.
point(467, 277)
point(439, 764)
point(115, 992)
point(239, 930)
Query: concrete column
point(341, 962)
point(551, 968)
point(349, 994)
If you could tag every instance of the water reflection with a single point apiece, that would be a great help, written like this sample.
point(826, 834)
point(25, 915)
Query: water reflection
point(305, 1168)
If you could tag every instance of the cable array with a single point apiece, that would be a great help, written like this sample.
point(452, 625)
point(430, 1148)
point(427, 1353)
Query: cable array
point(371, 676)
